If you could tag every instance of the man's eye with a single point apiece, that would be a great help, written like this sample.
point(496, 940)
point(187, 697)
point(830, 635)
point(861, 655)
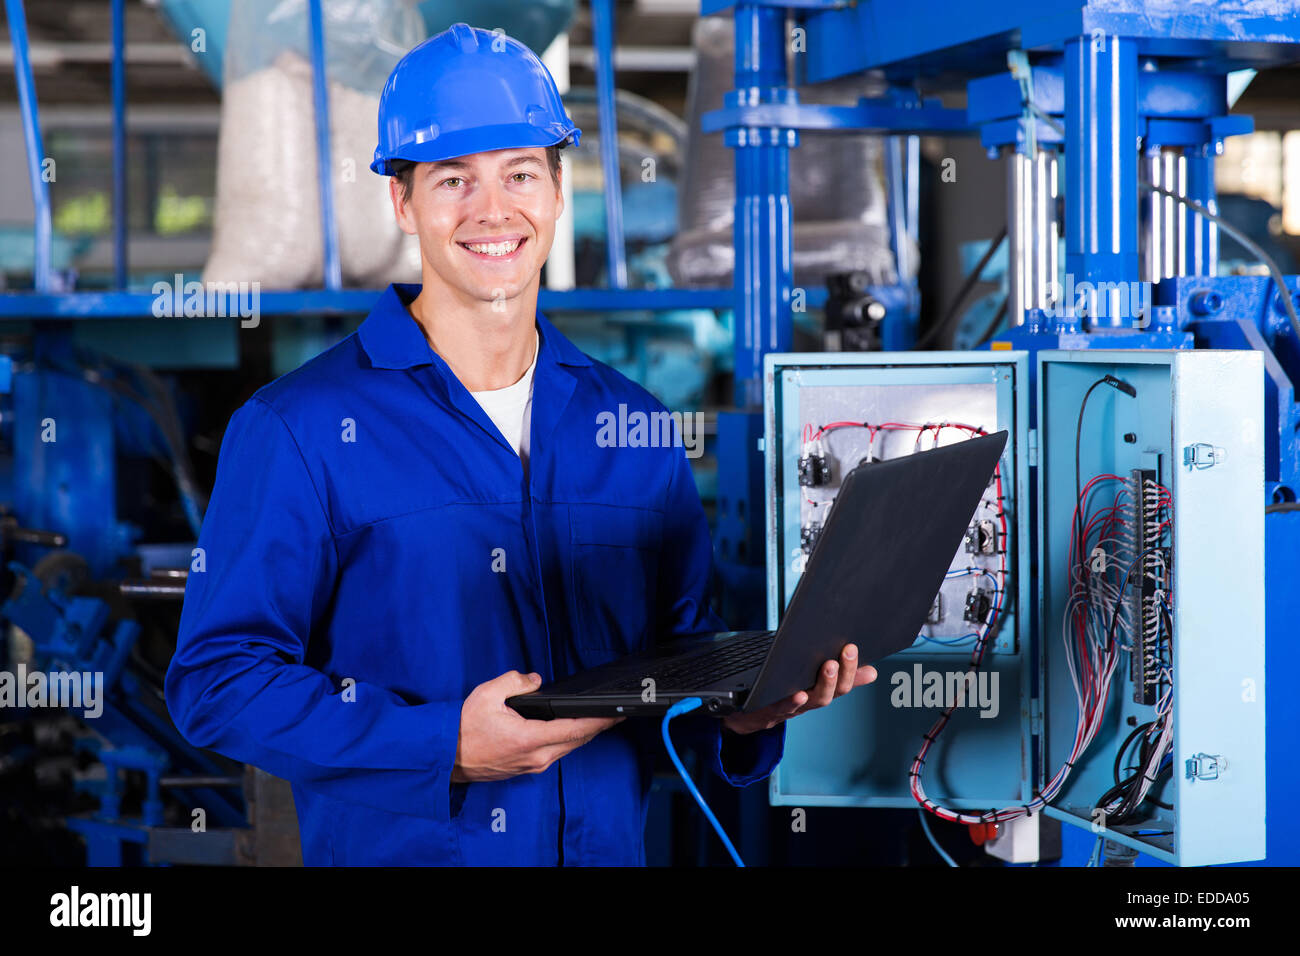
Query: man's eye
point(450, 179)
point(525, 175)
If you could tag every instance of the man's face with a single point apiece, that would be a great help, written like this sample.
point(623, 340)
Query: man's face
point(485, 221)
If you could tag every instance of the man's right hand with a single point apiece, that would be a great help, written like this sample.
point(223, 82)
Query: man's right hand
point(496, 743)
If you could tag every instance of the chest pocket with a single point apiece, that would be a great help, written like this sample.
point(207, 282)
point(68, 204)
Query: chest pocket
point(614, 571)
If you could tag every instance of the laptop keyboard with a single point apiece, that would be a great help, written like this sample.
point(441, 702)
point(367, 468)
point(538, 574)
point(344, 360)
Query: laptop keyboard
point(705, 670)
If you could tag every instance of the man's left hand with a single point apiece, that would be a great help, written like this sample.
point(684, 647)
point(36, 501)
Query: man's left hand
point(835, 679)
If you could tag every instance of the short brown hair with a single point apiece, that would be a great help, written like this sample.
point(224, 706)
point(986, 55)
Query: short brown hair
point(403, 170)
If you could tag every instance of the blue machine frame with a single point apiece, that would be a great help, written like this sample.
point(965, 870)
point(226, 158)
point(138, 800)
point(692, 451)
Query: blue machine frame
point(1094, 78)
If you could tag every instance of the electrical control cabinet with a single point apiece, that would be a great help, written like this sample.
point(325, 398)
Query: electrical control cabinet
point(1134, 623)
point(1194, 426)
point(827, 413)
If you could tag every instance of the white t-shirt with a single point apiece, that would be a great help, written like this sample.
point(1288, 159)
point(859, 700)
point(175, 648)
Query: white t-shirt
point(510, 408)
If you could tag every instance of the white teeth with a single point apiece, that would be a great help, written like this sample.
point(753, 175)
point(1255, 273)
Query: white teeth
point(494, 248)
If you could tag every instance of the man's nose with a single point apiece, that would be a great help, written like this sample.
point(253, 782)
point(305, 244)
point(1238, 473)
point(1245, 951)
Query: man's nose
point(492, 202)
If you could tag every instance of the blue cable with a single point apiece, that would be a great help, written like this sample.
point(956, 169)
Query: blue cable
point(925, 825)
point(676, 710)
point(949, 643)
point(996, 609)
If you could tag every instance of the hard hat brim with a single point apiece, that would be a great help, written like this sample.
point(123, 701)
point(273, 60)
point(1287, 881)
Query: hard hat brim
point(484, 139)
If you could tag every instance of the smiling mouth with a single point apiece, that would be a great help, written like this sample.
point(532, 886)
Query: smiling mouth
point(494, 250)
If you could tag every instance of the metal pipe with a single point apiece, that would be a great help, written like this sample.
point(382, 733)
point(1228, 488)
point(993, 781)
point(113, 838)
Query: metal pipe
point(43, 231)
point(1033, 232)
point(897, 205)
point(1202, 235)
point(561, 268)
point(913, 179)
point(763, 221)
point(152, 590)
point(1101, 172)
point(602, 24)
point(182, 573)
point(324, 165)
point(1165, 225)
point(120, 212)
point(200, 781)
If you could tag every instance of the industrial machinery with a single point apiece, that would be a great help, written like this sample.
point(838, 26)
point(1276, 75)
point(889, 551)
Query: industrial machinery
point(1097, 654)
point(1112, 670)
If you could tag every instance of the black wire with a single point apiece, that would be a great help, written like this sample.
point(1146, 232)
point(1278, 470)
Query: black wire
point(1119, 598)
point(940, 329)
point(1283, 290)
point(1078, 490)
point(1129, 806)
point(1282, 506)
point(1119, 756)
point(1128, 788)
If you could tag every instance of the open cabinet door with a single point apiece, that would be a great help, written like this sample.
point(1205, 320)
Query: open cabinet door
point(1191, 434)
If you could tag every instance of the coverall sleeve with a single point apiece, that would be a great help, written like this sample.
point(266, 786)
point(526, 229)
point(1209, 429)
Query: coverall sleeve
point(237, 684)
point(686, 565)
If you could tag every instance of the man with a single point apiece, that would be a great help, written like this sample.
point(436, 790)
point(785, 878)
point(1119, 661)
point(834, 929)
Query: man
point(419, 523)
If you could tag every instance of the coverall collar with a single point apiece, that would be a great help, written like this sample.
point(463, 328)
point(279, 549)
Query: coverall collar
point(393, 339)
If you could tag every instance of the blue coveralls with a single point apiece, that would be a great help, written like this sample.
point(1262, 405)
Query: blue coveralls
point(350, 593)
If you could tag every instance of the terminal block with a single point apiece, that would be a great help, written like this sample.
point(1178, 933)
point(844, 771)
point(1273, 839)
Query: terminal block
point(982, 537)
point(808, 536)
point(1147, 589)
point(814, 471)
point(978, 605)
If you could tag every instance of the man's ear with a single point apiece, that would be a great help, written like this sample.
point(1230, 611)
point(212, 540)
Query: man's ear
point(401, 208)
point(559, 190)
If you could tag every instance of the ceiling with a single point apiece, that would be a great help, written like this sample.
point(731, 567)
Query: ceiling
point(70, 44)
point(71, 66)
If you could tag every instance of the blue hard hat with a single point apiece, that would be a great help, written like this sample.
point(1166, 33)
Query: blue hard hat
point(465, 91)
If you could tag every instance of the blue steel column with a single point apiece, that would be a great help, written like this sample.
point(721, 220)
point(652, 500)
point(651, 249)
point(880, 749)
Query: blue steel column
point(324, 164)
point(1202, 235)
point(602, 25)
point(120, 224)
point(913, 191)
point(1101, 169)
point(762, 228)
point(899, 202)
point(35, 150)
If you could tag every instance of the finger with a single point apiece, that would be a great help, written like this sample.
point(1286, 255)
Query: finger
point(848, 670)
point(553, 752)
point(563, 730)
point(775, 713)
point(782, 711)
point(785, 708)
point(866, 674)
point(824, 692)
point(570, 729)
point(513, 682)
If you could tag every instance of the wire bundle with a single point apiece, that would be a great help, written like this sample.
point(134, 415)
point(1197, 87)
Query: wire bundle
point(1097, 628)
point(1120, 804)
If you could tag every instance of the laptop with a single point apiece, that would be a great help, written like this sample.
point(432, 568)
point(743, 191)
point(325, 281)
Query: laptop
point(870, 580)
